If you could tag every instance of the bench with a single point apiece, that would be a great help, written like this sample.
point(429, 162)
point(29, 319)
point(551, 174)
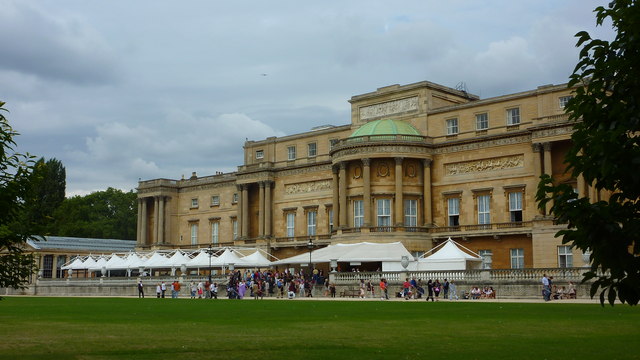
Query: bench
point(350, 293)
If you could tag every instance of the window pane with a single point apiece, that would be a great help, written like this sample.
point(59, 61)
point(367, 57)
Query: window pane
point(291, 218)
point(411, 213)
point(214, 232)
point(358, 213)
point(234, 224)
point(513, 116)
point(311, 223)
point(194, 234)
point(482, 121)
point(484, 211)
point(384, 212)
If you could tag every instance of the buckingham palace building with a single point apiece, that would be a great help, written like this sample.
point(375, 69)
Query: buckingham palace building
point(417, 164)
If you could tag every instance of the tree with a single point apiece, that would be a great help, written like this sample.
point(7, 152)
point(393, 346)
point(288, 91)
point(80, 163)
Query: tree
point(46, 193)
point(15, 170)
point(109, 214)
point(606, 153)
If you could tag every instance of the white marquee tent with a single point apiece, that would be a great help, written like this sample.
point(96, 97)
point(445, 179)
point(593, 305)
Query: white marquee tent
point(390, 254)
point(257, 260)
point(449, 256)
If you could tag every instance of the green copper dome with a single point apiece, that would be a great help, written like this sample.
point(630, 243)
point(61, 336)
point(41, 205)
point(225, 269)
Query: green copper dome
point(385, 127)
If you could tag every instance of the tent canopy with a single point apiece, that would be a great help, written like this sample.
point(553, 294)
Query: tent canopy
point(257, 260)
point(449, 256)
point(359, 252)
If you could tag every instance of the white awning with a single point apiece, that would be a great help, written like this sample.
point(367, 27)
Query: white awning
point(359, 252)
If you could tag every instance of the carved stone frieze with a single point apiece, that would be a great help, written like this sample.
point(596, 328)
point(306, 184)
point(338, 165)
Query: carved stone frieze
point(498, 163)
point(307, 187)
point(207, 187)
point(562, 130)
point(389, 108)
point(305, 170)
point(483, 144)
point(382, 149)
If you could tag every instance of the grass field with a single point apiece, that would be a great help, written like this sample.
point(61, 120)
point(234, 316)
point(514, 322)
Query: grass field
point(117, 328)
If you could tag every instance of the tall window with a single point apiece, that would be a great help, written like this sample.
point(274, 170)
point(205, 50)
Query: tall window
point(194, 234)
point(487, 258)
point(452, 126)
point(291, 153)
point(384, 212)
point(358, 213)
point(234, 225)
point(291, 224)
point(565, 256)
point(311, 222)
point(453, 209)
point(332, 143)
point(564, 101)
point(517, 258)
point(234, 199)
point(214, 232)
point(62, 259)
point(513, 116)
point(194, 203)
point(482, 121)
point(47, 266)
point(484, 209)
point(515, 206)
point(411, 213)
point(312, 149)
point(331, 220)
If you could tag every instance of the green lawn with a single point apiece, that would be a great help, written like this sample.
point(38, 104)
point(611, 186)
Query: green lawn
point(117, 328)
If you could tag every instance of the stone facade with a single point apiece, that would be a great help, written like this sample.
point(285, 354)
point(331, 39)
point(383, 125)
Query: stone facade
point(471, 175)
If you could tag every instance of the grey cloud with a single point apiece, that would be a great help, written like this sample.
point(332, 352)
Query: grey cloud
point(66, 50)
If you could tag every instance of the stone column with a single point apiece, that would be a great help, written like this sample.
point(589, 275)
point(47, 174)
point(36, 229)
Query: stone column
point(399, 198)
point(343, 194)
point(245, 210)
point(144, 226)
point(156, 211)
point(139, 222)
point(582, 186)
point(366, 191)
point(427, 214)
point(336, 198)
point(537, 166)
point(267, 208)
point(239, 209)
point(261, 209)
point(548, 169)
point(160, 224)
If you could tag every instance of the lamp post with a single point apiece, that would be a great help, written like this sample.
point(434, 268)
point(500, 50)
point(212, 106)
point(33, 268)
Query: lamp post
point(310, 247)
point(210, 252)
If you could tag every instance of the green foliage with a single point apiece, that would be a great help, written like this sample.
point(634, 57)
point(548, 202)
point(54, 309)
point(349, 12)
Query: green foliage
point(15, 170)
point(606, 152)
point(46, 193)
point(109, 214)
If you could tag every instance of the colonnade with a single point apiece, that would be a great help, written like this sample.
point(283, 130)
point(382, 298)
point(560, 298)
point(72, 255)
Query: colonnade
point(542, 164)
point(264, 209)
point(340, 205)
point(160, 225)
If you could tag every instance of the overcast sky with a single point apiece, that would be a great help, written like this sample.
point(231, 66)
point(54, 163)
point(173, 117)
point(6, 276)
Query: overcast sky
point(121, 90)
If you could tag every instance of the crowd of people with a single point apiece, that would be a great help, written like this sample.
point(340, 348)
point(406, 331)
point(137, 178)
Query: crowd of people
point(432, 290)
point(288, 284)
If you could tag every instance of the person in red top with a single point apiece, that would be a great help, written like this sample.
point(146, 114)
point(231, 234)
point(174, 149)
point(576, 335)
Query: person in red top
point(383, 289)
point(406, 286)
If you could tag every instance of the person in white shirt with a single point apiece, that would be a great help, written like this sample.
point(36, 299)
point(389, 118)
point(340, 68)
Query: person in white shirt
point(546, 289)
